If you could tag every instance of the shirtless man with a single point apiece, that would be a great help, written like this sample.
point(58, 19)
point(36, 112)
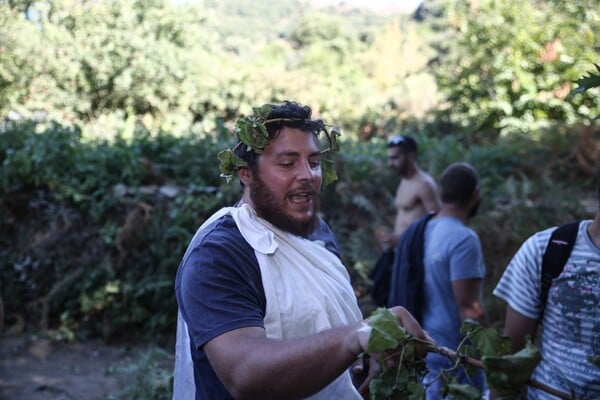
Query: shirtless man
point(417, 192)
point(415, 196)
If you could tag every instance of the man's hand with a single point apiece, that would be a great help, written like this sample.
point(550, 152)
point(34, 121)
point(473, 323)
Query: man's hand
point(369, 366)
point(364, 371)
point(412, 326)
point(359, 340)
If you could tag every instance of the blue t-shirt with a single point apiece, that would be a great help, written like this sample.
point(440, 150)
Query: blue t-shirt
point(452, 252)
point(219, 288)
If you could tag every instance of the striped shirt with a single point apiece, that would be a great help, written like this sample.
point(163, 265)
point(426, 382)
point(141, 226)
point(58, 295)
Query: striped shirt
point(570, 332)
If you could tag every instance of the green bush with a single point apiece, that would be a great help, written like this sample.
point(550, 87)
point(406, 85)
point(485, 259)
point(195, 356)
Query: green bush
point(91, 238)
point(97, 243)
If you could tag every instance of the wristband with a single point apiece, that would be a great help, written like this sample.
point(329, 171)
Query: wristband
point(364, 332)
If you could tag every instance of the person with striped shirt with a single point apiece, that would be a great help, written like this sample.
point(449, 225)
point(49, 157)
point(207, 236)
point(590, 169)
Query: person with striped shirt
point(569, 334)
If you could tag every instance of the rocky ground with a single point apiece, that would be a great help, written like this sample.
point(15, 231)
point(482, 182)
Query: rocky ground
point(35, 369)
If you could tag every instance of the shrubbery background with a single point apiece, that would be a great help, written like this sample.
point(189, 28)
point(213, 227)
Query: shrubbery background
point(92, 232)
point(113, 113)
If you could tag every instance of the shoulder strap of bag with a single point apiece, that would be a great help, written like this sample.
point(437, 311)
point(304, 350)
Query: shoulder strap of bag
point(556, 255)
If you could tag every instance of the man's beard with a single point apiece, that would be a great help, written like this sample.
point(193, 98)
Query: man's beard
point(402, 169)
point(268, 208)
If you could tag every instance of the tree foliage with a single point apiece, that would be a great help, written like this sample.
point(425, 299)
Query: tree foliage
point(110, 64)
point(88, 60)
point(510, 66)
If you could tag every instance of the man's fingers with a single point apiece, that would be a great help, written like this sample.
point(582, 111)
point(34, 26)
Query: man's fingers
point(429, 338)
point(373, 372)
point(412, 326)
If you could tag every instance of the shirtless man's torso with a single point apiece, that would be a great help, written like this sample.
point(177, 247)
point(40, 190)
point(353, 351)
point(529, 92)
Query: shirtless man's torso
point(416, 193)
point(415, 196)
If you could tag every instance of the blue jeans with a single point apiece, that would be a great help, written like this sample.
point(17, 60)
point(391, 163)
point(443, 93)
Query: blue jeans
point(435, 363)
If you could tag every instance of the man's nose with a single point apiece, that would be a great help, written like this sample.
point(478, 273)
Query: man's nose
point(305, 171)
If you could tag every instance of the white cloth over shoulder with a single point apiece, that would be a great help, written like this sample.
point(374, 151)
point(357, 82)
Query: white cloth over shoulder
point(292, 268)
point(183, 382)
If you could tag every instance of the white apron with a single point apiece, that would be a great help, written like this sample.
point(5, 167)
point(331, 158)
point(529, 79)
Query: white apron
point(307, 290)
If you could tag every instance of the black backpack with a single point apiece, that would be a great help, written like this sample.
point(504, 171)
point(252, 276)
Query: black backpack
point(555, 257)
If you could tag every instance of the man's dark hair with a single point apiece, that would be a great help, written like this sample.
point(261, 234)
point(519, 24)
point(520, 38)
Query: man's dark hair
point(406, 143)
point(457, 184)
point(287, 114)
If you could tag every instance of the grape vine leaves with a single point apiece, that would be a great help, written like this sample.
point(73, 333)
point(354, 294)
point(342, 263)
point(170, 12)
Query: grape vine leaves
point(505, 372)
point(587, 82)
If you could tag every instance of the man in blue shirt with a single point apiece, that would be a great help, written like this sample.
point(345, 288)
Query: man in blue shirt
point(454, 270)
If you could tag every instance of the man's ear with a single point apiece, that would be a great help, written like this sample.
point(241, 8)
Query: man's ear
point(245, 175)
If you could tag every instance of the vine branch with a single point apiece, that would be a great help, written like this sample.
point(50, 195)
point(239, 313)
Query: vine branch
point(479, 364)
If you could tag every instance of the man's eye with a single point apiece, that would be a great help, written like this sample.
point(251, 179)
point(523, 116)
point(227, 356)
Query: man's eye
point(286, 164)
point(315, 164)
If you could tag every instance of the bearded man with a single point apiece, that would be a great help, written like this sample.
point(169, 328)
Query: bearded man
point(266, 309)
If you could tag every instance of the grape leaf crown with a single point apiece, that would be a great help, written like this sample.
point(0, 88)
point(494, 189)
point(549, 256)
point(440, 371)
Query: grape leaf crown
point(252, 131)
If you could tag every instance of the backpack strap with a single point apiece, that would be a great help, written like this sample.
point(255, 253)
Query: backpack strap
point(556, 255)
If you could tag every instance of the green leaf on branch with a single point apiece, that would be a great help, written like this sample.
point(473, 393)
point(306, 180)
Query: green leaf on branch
point(229, 163)
point(252, 133)
point(329, 174)
point(396, 384)
point(403, 380)
point(416, 390)
point(488, 341)
point(509, 373)
point(451, 389)
point(381, 387)
point(587, 82)
point(463, 392)
point(263, 111)
point(473, 352)
point(386, 333)
point(332, 136)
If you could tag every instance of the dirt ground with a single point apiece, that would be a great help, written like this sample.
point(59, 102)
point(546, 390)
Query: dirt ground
point(40, 369)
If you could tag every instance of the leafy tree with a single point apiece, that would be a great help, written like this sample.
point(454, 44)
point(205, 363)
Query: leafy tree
point(89, 59)
point(511, 65)
point(109, 65)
